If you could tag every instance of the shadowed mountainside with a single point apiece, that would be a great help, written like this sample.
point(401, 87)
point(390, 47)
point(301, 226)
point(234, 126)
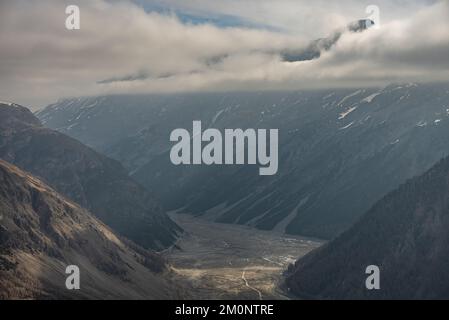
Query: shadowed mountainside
point(340, 151)
point(41, 233)
point(92, 180)
point(406, 234)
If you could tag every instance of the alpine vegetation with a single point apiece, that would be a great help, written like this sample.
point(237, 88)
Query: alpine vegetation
point(189, 148)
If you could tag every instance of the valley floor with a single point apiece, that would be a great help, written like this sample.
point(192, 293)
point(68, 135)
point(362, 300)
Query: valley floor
point(222, 261)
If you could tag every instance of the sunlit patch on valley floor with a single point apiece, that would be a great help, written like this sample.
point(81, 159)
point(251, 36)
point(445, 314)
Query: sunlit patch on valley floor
point(222, 261)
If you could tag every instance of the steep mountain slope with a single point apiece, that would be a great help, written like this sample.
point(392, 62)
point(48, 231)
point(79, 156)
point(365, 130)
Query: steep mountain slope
point(97, 183)
point(41, 233)
point(339, 150)
point(406, 234)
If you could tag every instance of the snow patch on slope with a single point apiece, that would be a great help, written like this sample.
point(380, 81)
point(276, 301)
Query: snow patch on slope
point(347, 126)
point(346, 113)
point(7, 103)
point(370, 98)
point(349, 96)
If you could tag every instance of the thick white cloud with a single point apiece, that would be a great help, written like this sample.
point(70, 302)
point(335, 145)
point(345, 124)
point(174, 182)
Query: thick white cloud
point(123, 49)
point(309, 18)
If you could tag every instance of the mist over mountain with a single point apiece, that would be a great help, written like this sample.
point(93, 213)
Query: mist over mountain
point(317, 47)
point(405, 234)
point(340, 151)
point(90, 179)
point(42, 232)
point(233, 150)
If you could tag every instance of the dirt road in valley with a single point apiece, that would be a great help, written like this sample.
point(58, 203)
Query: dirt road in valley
point(222, 261)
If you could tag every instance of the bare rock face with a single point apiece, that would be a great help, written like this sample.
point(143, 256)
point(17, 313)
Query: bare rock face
point(92, 180)
point(405, 234)
point(42, 232)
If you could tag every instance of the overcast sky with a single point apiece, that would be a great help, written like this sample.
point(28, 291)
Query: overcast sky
point(146, 46)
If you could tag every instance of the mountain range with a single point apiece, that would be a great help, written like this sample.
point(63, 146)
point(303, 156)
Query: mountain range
point(340, 151)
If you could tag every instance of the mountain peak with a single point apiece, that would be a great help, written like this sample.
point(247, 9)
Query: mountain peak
point(12, 114)
point(360, 25)
point(317, 47)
